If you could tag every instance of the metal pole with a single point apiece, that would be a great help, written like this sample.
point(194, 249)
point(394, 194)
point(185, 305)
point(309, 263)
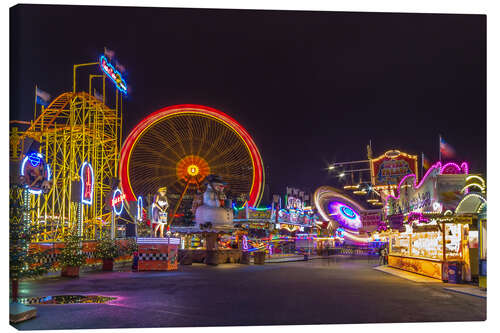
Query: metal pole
point(439, 147)
point(113, 225)
point(135, 227)
point(179, 202)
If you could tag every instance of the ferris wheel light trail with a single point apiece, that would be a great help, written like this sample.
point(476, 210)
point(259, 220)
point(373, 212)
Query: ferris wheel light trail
point(185, 143)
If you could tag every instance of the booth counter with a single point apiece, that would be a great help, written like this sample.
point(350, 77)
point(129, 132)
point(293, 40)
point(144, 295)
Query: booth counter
point(419, 249)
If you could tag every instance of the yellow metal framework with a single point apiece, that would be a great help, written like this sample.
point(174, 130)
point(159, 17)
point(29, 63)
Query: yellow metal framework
point(75, 127)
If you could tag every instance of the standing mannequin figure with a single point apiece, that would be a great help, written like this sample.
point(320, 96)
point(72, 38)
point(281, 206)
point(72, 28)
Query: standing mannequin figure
point(160, 210)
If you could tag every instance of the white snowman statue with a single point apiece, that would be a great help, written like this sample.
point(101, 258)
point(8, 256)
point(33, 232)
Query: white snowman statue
point(212, 214)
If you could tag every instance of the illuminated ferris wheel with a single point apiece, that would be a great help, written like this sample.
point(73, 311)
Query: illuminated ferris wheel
point(178, 146)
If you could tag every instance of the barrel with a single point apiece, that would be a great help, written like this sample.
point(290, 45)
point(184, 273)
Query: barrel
point(454, 272)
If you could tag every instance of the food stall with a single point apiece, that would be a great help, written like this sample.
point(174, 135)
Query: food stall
point(427, 236)
point(425, 249)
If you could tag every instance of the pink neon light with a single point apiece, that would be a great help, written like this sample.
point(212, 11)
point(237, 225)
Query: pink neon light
point(464, 167)
point(417, 216)
point(448, 166)
point(415, 186)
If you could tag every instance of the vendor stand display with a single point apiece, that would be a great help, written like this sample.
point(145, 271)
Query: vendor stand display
point(157, 254)
point(420, 249)
point(431, 234)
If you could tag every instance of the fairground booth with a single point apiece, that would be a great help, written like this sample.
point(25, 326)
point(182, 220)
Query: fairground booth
point(438, 224)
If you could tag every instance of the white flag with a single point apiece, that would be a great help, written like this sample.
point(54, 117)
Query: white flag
point(109, 53)
point(97, 95)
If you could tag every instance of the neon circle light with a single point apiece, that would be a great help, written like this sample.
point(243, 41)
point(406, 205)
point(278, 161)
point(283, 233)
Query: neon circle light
point(31, 169)
point(258, 178)
point(118, 200)
point(348, 212)
point(193, 170)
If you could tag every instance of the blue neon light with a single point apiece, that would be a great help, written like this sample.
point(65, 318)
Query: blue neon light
point(35, 159)
point(347, 212)
point(118, 212)
point(139, 208)
point(83, 199)
point(118, 79)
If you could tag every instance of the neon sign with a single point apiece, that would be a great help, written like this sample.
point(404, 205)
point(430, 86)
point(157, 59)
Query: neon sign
point(434, 193)
point(113, 74)
point(87, 183)
point(117, 201)
point(35, 173)
point(244, 242)
point(391, 167)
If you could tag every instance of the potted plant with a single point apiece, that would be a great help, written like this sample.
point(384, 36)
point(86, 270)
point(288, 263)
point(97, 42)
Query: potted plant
point(24, 261)
point(71, 256)
point(107, 250)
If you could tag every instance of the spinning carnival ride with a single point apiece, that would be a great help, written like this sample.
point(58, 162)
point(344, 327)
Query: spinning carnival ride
point(178, 146)
point(342, 212)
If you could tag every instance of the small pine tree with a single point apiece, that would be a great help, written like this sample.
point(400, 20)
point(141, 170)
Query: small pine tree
point(71, 255)
point(24, 262)
point(107, 249)
point(130, 247)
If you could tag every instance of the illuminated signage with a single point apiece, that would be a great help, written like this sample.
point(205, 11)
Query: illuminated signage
point(117, 201)
point(35, 173)
point(87, 181)
point(294, 203)
point(244, 242)
point(259, 214)
point(436, 192)
point(113, 74)
point(391, 167)
point(371, 221)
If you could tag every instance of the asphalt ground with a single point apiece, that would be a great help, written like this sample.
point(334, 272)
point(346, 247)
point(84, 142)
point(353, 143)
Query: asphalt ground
point(323, 291)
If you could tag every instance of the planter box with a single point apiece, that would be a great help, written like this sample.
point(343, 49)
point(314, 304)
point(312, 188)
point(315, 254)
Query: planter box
point(259, 258)
point(70, 271)
point(245, 258)
point(107, 264)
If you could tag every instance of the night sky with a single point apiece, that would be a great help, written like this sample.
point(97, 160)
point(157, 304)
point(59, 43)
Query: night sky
point(310, 87)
